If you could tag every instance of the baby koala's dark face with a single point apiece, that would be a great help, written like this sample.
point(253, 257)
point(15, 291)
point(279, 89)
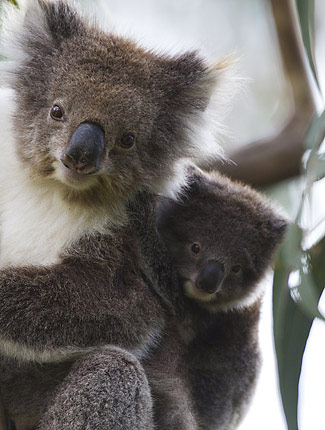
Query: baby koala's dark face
point(221, 237)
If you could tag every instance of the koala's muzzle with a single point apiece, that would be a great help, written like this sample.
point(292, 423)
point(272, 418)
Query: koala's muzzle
point(210, 277)
point(85, 149)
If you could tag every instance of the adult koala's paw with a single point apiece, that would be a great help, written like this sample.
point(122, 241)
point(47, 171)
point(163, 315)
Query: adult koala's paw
point(104, 390)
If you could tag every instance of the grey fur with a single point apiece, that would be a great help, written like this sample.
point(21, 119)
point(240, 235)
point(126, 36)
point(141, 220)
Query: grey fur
point(110, 380)
point(58, 321)
point(205, 368)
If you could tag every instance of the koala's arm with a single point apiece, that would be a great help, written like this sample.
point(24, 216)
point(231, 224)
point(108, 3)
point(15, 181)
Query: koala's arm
point(104, 390)
point(224, 362)
point(156, 258)
point(95, 296)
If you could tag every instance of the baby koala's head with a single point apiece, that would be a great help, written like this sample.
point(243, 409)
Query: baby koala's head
point(221, 236)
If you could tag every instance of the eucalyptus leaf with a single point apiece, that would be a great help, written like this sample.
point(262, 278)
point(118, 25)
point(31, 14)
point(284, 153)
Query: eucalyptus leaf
point(315, 167)
point(316, 132)
point(291, 248)
point(306, 9)
point(294, 259)
point(291, 331)
point(294, 310)
point(309, 296)
point(15, 2)
point(317, 262)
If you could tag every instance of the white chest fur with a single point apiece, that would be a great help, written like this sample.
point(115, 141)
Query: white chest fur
point(36, 225)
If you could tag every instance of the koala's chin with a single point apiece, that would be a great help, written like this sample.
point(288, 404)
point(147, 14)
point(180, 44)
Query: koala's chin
point(74, 180)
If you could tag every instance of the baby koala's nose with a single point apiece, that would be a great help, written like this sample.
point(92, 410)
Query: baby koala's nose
point(210, 277)
point(85, 149)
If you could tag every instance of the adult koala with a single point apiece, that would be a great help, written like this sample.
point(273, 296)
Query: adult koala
point(87, 120)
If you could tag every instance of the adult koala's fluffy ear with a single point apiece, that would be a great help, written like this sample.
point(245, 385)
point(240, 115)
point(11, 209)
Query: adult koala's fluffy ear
point(35, 30)
point(198, 96)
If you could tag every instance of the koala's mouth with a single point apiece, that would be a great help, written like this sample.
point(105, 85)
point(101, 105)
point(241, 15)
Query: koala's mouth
point(72, 178)
point(73, 174)
point(191, 290)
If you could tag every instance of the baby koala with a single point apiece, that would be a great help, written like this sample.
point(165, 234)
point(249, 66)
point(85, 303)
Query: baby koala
point(220, 238)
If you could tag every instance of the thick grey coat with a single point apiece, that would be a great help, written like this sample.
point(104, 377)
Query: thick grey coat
point(76, 308)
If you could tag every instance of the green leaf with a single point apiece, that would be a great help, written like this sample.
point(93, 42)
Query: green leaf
point(291, 248)
point(306, 12)
point(13, 2)
point(317, 262)
point(309, 295)
point(316, 132)
point(315, 164)
point(294, 310)
point(315, 168)
point(291, 331)
point(305, 293)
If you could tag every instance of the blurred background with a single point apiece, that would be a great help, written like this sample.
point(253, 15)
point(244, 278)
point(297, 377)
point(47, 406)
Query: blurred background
point(261, 111)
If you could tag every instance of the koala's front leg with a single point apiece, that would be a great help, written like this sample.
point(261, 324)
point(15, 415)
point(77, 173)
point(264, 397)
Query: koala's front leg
point(97, 295)
point(104, 390)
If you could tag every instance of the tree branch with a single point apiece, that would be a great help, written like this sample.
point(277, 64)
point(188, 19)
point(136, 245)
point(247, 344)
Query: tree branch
point(278, 157)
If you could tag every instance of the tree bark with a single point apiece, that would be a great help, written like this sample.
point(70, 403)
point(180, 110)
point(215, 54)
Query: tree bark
point(278, 157)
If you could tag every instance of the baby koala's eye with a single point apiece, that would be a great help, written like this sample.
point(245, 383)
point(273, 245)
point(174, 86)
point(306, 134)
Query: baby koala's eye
point(236, 268)
point(195, 248)
point(57, 113)
point(127, 141)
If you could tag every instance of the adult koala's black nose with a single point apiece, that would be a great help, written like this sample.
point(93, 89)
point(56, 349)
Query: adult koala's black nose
point(210, 277)
point(85, 149)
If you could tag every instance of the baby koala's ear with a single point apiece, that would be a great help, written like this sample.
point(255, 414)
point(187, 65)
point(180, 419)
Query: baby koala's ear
point(164, 212)
point(273, 229)
point(278, 226)
point(167, 219)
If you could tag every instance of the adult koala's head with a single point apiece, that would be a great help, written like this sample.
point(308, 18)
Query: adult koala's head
point(95, 111)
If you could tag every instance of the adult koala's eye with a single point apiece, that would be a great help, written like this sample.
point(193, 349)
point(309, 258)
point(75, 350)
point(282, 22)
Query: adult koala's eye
point(127, 141)
point(57, 113)
point(236, 268)
point(195, 248)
